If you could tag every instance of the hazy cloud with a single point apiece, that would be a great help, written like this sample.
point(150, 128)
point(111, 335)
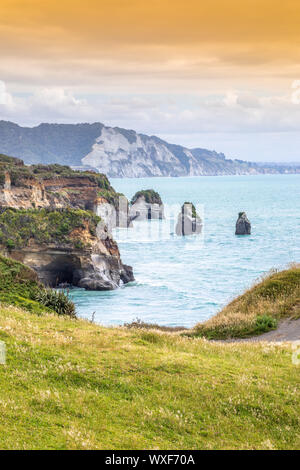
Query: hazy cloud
point(5, 98)
point(233, 111)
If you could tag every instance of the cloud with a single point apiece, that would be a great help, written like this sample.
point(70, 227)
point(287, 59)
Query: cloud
point(2, 93)
point(247, 100)
point(233, 122)
point(5, 98)
point(56, 102)
point(45, 104)
point(234, 111)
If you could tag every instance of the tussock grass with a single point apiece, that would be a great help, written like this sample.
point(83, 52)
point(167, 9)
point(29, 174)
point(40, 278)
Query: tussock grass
point(70, 384)
point(139, 324)
point(259, 309)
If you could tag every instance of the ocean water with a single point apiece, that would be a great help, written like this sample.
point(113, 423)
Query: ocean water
point(184, 280)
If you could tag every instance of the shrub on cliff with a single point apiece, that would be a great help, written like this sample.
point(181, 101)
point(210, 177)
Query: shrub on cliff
point(19, 286)
point(20, 174)
point(63, 171)
point(194, 212)
point(111, 197)
point(151, 196)
point(18, 226)
point(5, 159)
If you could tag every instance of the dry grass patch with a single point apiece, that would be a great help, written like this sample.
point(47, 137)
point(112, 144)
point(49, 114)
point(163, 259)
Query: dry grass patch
point(259, 309)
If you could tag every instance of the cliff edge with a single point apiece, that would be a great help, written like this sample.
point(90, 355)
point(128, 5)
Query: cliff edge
point(48, 221)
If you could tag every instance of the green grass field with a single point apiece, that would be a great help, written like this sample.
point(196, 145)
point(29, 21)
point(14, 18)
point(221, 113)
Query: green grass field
point(70, 384)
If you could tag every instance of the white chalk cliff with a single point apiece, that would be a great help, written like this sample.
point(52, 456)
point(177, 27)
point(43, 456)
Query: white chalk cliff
point(119, 152)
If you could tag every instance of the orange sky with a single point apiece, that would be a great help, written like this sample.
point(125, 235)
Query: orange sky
point(189, 36)
point(156, 47)
point(157, 21)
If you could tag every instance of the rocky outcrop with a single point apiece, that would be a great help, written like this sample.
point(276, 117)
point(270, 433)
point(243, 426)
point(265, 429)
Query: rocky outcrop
point(243, 225)
point(146, 205)
point(48, 222)
point(188, 221)
point(120, 152)
point(86, 260)
point(58, 187)
point(113, 215)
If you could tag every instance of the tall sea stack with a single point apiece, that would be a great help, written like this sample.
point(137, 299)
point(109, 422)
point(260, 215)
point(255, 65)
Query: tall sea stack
point(188, 221)
point(243, 225)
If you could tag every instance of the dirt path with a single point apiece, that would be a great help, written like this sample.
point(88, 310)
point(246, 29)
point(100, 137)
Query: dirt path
point(288, 330)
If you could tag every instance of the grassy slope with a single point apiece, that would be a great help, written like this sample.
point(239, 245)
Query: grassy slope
point(258, 310)
point(71, 384)
point(19, 286)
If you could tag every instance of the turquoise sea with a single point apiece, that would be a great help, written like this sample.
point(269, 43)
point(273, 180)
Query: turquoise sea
point(184, 280)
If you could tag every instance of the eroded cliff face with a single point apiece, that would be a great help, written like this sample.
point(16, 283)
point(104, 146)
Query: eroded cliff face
point(61, 192)
point(83, 252)
point(98, 267)
point(53, 192)
point(120, 153)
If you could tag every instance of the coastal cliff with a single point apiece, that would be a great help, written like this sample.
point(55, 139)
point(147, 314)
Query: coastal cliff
point(52, 186)
point(48, 221)
point(120, 152)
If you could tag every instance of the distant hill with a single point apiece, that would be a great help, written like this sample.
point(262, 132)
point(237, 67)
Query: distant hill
point(119, 152)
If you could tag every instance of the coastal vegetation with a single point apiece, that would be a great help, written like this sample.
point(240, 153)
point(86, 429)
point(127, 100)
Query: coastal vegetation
point(71, 384)
point(194, 212)
point(45, 226)
point(16, 166)
point(7, 160)
point(150, 196)
point(21, 174)
point(259, 309)
point(19, 286)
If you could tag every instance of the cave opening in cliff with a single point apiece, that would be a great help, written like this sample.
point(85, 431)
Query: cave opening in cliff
point(64, 275)
point(63, 270)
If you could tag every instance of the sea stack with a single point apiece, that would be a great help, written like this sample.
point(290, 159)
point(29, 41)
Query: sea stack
point(146, 205)
point(188, 222)
point(243, 225)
